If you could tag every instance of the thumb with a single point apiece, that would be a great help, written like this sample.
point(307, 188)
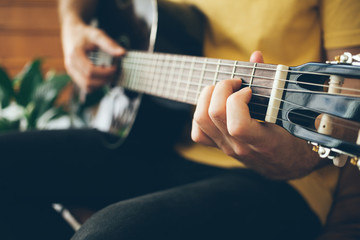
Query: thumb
point(107, 44)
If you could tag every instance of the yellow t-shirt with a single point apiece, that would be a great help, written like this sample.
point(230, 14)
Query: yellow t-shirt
point(289, 32)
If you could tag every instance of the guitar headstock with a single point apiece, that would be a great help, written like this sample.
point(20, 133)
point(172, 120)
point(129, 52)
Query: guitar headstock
point(321, 104)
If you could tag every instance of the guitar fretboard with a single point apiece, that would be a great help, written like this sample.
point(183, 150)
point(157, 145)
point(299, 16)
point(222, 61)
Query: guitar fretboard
point(181, 78)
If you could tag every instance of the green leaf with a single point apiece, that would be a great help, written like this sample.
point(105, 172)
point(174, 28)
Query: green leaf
point(7, 125)
point(45, 95)
point(6, 89)
point(30, 79)
point(50, 115)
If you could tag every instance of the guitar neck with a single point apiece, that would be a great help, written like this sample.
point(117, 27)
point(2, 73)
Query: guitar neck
point(181, 78)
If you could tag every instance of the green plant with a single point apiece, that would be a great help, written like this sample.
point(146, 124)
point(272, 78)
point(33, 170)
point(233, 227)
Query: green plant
point(28, 101)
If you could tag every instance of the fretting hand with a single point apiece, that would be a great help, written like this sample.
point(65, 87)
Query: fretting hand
point(222, 119)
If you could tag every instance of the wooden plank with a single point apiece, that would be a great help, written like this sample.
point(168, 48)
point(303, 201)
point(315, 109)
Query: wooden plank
point(29, 29)
point(22, 19)
point(28, 3)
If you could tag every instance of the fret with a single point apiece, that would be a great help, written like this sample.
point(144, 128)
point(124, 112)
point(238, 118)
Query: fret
point(233, 70)
point(167, 85)
point(172, 77)
point(130, 82)
point(136, 73)
point(181, 70)
point(150, 74)
point(147, 74)
point(133, 77)
point(216, 72)
point(199, 88)
point(168, 76)
point(189, 79)
point(165, 77)
point(153, 73)
point(157, 74)
point(252, 75)
point(162, 77)
point(140, 73)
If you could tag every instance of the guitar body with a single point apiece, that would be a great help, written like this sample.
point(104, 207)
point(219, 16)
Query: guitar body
point(134, 27)
point(148, 26)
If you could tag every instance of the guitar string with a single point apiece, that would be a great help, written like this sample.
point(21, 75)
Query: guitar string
point(234, 74)
point(255, 76)
point(297, 114)
point(245, 84)
point(259, 95)
point(270, 88)
point(153, 55)
point(305, 127)
point(256, 85)
point(149, 56)
point(345, 126)
point(193, 101)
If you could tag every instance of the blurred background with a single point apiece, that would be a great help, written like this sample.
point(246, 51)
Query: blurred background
point(29, 29)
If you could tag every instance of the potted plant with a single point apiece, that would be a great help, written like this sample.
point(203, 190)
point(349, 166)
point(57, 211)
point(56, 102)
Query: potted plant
point(30, 100)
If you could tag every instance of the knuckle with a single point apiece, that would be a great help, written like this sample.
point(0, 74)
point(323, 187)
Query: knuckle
point(240, 151)
point(216, 113)
point(228, 151)
point(233, 99)
point(200, 118)
point(236, 130)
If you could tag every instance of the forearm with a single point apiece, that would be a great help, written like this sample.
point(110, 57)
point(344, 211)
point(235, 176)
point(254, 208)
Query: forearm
point(76, 11)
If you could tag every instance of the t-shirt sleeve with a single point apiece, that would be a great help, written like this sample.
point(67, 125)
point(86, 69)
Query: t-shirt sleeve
point(341, 23)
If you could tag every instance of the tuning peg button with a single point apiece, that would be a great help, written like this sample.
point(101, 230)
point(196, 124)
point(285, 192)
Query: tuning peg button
point(340, 160)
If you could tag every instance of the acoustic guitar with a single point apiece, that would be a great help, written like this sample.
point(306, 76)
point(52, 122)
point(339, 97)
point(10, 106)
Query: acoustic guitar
point(308, 100)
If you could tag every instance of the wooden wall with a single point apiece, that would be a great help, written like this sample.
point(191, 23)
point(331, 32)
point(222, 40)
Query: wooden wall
point(29, 29)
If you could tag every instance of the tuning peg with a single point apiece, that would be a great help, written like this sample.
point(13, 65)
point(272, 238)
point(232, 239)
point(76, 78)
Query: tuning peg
point(346, 58)
point(340, 160)
point(355, 161)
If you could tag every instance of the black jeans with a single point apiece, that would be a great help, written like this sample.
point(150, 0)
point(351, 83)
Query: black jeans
point(163, 197)
point(155, 193)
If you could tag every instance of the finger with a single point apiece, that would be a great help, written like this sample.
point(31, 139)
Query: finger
point(90, 76)
point(217, 108)
point(106, 43)
point(76, 64)
point(197, 135)
point(239, 122)
point(202, 119)
point(256, 57)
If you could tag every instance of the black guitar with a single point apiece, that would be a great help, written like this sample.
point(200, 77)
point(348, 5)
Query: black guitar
point(306, 100)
